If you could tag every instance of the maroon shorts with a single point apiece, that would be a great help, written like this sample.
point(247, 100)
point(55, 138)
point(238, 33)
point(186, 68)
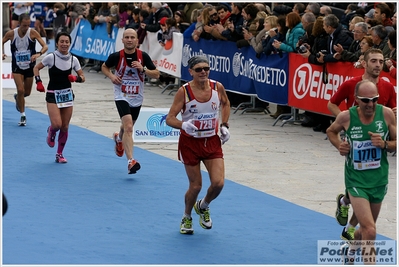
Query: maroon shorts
point(192, 151)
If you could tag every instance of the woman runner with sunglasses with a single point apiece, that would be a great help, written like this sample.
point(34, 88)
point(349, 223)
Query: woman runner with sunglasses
point(204, 108)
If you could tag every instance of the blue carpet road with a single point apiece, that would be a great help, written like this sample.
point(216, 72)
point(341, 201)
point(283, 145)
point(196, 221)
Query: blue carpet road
point(90, 211)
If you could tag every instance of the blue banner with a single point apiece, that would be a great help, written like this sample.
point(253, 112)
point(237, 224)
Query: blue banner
point(239, 70)
point(270, 76)
point(94, 44)
point(39, 10)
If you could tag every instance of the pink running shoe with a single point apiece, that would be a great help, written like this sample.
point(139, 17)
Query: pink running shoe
point(50, 138)
point(59, 158)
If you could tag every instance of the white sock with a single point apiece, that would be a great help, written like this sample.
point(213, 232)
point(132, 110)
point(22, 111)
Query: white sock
point(185, 215)
point(343, 202)
point(203, 205)
point(23, 114)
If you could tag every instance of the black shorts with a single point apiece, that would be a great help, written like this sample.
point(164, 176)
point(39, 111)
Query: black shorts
point(124, 109)
point(14, 17)
point(26, 73)
point(50, 97)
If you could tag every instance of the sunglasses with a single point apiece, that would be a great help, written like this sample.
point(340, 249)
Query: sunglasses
point(213, 15)
point(200, 69)
point(367, 100)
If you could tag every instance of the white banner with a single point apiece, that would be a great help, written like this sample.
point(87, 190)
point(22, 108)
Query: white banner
point(151, 127)
point(168, 58)
point(7, 80)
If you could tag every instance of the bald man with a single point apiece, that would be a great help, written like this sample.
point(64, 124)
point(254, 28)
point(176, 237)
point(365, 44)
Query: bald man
point(370, 132)
point(131, 66)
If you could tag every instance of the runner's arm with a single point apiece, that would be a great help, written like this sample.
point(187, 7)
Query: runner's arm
point(390, 119)
point(7, 37)
point(177, 106)
point(333, 132)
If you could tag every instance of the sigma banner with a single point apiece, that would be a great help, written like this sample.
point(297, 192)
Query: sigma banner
point(166, 58)
point(151, 127)
point(94, 44)
point(307, 88)
point(239, 70)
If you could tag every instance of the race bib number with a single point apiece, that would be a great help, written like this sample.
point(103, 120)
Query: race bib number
point(64, 98)
point(366, 156)
point(130, 88)
point(206, 124)
point(22, 59)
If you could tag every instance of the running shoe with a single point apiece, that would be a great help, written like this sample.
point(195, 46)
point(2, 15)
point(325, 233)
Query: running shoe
point(186, 226)
point(349, 234)
point(118, 145)
point(50, 138)
point(347, 255)
point(22, 121)
point(205, 216)
point(16, 104)
point(342, 211)
point(133, 166)
point(59, 158)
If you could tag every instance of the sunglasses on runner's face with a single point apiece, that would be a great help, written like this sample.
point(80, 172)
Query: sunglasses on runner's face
point(367, 100)
point(200, 69)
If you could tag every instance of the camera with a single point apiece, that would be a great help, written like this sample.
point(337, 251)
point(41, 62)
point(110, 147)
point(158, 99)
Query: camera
point(302, 49)
point(322, 52)
point(302, 39)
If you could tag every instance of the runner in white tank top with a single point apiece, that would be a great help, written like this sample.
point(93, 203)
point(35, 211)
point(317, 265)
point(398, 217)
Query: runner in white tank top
point(203, 103)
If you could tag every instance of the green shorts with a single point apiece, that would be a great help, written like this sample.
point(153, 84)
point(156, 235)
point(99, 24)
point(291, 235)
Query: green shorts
point(373, 195)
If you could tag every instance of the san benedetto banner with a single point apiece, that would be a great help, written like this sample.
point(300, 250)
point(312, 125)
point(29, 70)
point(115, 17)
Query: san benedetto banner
point(151, 127)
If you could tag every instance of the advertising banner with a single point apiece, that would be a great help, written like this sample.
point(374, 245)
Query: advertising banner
point(166, 58)
point(151, 127)
point(94, 44)
point(7, 79)
point(223, 62)
point(307, 89)
point(239, 70)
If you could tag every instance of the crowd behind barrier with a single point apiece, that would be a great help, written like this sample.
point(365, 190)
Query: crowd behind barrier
point(286, 79)
point(283, 79)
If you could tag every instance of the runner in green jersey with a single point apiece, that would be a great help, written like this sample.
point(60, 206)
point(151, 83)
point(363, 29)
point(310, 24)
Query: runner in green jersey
point(370, 131)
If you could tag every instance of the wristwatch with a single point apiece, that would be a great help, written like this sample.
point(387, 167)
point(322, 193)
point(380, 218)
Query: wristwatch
point(225, 124)
point(386, 145)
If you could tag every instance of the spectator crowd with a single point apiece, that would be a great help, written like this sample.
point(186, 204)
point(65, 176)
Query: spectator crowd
point(320, 32)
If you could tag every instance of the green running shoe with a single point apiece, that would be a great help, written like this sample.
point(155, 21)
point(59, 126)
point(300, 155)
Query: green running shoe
point(342, 211)
point(205, 216)
point(186, 226)
point(348, 235)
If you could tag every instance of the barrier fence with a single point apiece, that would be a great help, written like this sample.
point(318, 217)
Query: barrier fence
point(286, 79)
